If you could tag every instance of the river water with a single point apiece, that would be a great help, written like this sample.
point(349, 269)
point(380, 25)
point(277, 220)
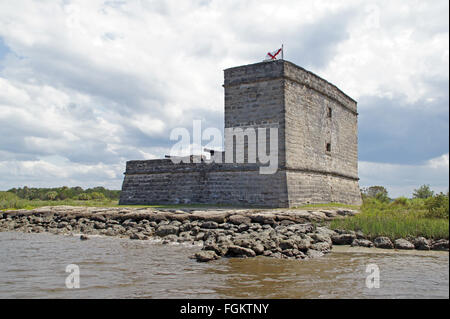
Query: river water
point(34, 266)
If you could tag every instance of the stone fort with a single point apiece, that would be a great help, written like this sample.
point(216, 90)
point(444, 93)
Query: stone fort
point(317, 147)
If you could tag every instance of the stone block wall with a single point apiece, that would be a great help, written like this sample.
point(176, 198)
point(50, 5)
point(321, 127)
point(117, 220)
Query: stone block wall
point(268, 94)
point(162, 182)
point(254, 98)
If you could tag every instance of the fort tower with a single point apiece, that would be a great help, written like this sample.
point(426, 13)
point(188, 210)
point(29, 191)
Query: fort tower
point(317, 146)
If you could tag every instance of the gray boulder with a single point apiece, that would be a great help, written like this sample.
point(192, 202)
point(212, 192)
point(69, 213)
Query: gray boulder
point(318, 237)
point(206, 255)
point(265, 218)
point(138, 236)
point(219, 250)
point(343, 239)
point(165, 230)
point(422, 243)
point(209, 225)
point(258, 248)
point(301, 228)
point(441, 244)
point(321, 246)
point(403, 244)
point(243, 227)
point(238, 251)
point(383, 242)
point(325, 231)
point(288, 244)
point(362, 243)
point(239, 219)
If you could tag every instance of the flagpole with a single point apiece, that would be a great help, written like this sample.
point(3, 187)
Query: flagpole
point(282, 52)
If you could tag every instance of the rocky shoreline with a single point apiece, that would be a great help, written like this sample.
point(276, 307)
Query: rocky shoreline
point(289, 234)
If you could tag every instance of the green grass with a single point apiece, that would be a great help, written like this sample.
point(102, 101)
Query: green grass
point(9, 201)
point(400, 219)
point(328, 205)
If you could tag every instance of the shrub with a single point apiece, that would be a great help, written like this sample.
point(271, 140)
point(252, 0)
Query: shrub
point(51, 195)
point(10, 200)
point(437, 206)
point(423, 191)
point(400, 201)
point(96, 195)
point(378, 192)
point(84, 196)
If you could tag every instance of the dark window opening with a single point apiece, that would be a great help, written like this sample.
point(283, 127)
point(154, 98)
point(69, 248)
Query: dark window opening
point(329, 112)
point(328, 147)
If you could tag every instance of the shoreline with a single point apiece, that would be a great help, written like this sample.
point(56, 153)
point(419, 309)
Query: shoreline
point(285, 234)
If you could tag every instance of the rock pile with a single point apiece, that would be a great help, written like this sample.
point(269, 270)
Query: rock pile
point(289, 234)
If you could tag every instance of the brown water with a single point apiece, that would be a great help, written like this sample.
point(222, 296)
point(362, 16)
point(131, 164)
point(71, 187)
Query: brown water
point(33, 266)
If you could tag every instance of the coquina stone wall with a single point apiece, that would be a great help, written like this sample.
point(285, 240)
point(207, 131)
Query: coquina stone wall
point(163, 182)
point(317, 146)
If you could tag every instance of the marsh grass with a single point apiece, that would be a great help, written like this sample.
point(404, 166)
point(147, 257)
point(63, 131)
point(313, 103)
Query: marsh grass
point(398, 219)
point(10, 201)
point(328, 205)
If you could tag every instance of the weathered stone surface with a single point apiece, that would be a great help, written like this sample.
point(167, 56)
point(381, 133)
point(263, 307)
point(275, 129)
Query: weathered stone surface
point(215, 216)
point(138, 236)
point(321, 246)
point(209, 225)
point(239, 219)
point(361, 243)
point(343, 239)
point(319, 237)
point(165, 230)
point(422, 243)
point(441, 244)
point(383, 242)
point(301, 228)
point(403, 244)
point(219, 250)
point(258, 248)
point(288, 244)
point(263, 218)
point(206, 255)
point(237, 251)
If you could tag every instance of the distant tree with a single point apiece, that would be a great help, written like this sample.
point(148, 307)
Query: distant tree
point(97, 195)
point(378, 192)
point(52, 195)
point(438, 206)
point(64, 193)
point(84, 196)
point(423, 191)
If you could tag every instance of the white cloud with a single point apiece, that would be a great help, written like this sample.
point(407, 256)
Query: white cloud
point(401, 180)
point(96, 83)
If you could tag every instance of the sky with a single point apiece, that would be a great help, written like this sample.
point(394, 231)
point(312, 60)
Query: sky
point(87, 85)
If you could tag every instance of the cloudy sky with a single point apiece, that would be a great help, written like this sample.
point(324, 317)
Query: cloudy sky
point(87, 85)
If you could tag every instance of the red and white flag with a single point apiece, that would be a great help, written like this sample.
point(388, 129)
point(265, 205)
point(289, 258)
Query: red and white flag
point(275, 54)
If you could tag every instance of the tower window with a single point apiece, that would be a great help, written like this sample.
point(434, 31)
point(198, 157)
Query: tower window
point(329, 112)
point(328, 147)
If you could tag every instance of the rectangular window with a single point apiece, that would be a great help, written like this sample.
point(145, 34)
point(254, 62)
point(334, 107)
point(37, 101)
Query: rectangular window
point(328, 147)
point(329, 112)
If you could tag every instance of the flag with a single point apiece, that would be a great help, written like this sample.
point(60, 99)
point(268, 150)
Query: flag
point(274, 54)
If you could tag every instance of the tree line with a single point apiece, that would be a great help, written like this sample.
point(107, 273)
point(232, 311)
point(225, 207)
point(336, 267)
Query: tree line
point(437, 204)
point(63, 193)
